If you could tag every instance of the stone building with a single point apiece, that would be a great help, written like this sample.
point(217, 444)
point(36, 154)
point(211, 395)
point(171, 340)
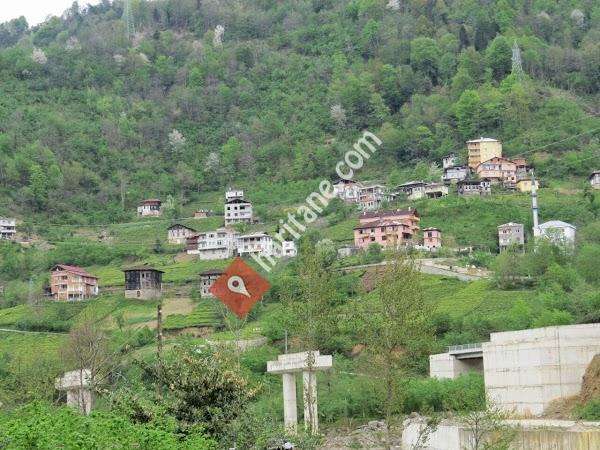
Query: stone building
point(207, 279)
point(510, 234)
point(178, 233)
point(143, 282)
point(467, 188)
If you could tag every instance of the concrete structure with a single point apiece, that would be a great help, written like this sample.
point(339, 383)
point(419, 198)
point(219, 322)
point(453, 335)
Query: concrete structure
point(483, 149)
point(557, 232)
point(207, 279)
point(288, 366)
point(387, 228)
point(432, 238)
point(347, 250)
point(370, 197)
point(202, 214)
point(233, 194)
point(143, 282)
point(255, 243)
point(78, 386)
point(178, 233)
point(347, 190)
point(8, 228)
point(498, 170)
point(415, 190)
point(529, 435)
point(524, 184)
point(510, 234)
point(474, 187)
point(238, 210)
point(150, 207)
point(525, 370)
point(218, 244)
point(449, 161)
point(595, 179)
point(285, 249)
point(72, 283)
point(456, 174)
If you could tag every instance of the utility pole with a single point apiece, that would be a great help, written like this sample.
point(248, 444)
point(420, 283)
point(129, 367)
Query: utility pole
point(534, 205)
point(517, 63)
point(159, 332)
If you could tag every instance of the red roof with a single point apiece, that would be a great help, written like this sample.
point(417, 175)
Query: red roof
point(381, 223)
point(382, 214)
point(74, 269)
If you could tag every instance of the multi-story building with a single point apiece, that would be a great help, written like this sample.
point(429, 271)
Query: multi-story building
point(207, 279)
point(510, 234)
point(217, 244)
point(143, 282)
point(595, 179)
point(370, 197)
point(456, 174)
point(285, 249)
point(467, 188)
point(178, 233)
point(72, 283)
point(233, 194)
point(238, 210)
point(498, 170)
point(387, 228)
point(150, 207)
point(483, 149)
point(415, 190)
point(449, 161)
point(8, 228)
point(347, 190)
point(432, 238)
point(255, 243)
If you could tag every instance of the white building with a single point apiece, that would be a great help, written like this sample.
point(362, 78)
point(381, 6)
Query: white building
point(218, 244)
point(178, 233)
point(150, 207)
point(347, 190)
point(510, 234)
point(416, 190)
point(285, 249)
point(455, 174)
point(238, 210)
point(255, 243)
point(232, 194)
point(8, 228)
point(557, 232)
point(595, 179)
point(449, 161)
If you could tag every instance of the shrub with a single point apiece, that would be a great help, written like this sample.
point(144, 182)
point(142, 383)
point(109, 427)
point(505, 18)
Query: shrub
point(590, 410)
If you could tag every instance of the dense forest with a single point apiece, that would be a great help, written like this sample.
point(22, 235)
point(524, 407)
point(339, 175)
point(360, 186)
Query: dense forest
point(103, 107)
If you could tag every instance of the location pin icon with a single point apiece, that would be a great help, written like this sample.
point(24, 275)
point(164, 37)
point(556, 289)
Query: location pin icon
point(236, 285)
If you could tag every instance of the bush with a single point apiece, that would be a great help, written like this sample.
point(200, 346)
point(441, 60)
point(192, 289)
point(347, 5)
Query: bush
point(463, 394)
point(590, 410)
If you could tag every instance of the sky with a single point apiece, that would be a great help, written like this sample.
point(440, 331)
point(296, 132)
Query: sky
point(35, 10)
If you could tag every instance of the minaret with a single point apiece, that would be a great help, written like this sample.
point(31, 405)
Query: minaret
point(534, 206)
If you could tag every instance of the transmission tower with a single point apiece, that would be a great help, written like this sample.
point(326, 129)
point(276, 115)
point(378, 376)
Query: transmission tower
point(128, 18)
point(517, 63)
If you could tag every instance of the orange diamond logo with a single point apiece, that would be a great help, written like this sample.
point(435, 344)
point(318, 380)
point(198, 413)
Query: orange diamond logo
point(239, 288)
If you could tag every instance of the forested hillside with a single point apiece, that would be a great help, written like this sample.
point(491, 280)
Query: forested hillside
point(97, 112)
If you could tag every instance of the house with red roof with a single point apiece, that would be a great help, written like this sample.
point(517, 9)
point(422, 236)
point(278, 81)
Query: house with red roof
point(71, 283)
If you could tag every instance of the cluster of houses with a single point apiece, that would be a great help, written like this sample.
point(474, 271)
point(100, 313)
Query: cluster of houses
point(486, 167)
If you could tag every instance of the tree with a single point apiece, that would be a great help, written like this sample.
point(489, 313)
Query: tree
point(499, 57)
point(467, 111)
point(392, 324)
point(488, 429)
point(424, 57)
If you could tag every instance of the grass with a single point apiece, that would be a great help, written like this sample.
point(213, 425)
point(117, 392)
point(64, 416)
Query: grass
point(204, 315)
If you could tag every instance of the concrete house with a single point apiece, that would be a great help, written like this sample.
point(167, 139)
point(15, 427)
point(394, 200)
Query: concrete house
point(524, 184)
point(432, 238)
point(143, 282)
point(233, 194)
point(467, 188)
point(8, 228)
point(595, 179)
point(449, 161)
point(415, 190)
point(483, 149)
point(557, 232)
point(256, 243)
point(510, 234)
point(70, 283)
point(285, 249)
point(150, 207)
point(207, 279)
point(217, 244)
point(498, 170)
point(347, 190)
point(178, 233)
point(455, 174)
point(387, 228)
point(238, 210)
point(370, 197)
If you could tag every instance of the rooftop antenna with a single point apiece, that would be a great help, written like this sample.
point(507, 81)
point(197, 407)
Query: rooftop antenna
point(128, 18)
point(517, 62)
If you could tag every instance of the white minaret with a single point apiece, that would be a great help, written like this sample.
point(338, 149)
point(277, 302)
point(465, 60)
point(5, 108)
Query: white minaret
point(534, 206)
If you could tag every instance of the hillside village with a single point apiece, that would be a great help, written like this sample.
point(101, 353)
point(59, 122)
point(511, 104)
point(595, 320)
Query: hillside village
point(307, 225)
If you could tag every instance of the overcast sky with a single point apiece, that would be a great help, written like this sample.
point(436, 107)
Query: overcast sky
point(35, 10)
